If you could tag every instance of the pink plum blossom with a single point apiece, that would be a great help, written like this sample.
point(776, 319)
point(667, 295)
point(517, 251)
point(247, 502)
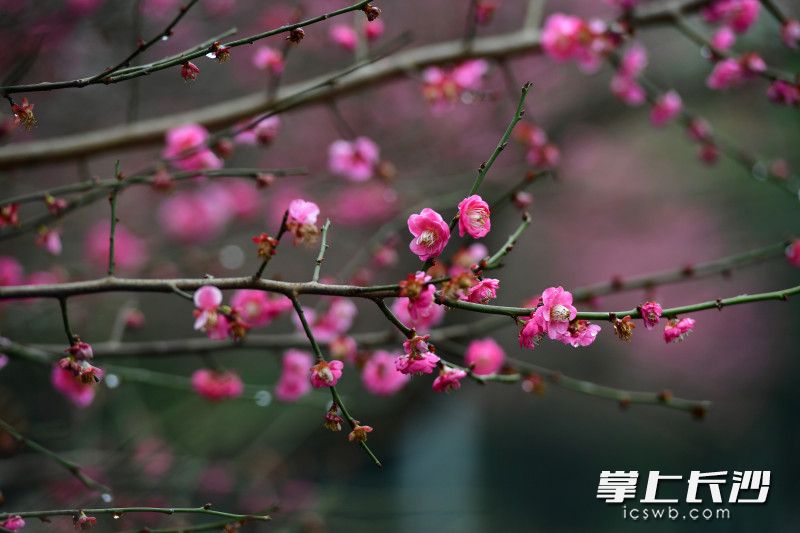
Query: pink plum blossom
point(483, 291)
point(11, 272)
point(790, 33)
point(677, 330)
point(449, 378)
point(344, 36)
point(561, 36)
point(373, 29)
point(217, 385)
point(380, 376)
point(207, 300)
point(723, 39)
point(13, 523)
point(484, 356)
point(370, 202)
point(633, 61)
point(468, 75)
point(430, 232)
point(417, 358)
point(443, 87)
point(189, 71)
point(752, 64)
point(240, 198)
point(256, 308)
point(624, 84)
point(190, 140)
point(302, 221)
point(270, 59)
point(666, 108)
point(293, 383)
point(651, 314)
point(343, 348)
point(356, 160)
point(334, 322)
point(263, 133)
point(726, 73)
point(580, 333)
point(783, 92)
point(65, 381)
point(699, 130)
point(50, 241)
point(195, 216)
point(302, 212)
point(473, 217)
point(464, 259)
point(130, 252)
point(792, 253)
point(326, 373)
point(739, 15)
point(425, 318)
point(628, 90)
point(418, 293)
point(565, 37)
point(557, 310)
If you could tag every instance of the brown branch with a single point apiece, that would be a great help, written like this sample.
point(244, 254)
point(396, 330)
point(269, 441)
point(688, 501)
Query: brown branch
point(116, 75)
point(149, 132)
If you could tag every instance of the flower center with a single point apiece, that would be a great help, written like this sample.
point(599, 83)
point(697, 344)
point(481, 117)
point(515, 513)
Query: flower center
point(426, 238)
point(559, 313)
point(325, 374)
point(477, 217)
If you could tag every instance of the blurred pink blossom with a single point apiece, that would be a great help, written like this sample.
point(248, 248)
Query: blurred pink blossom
point(449, 378)
point(738, 14)
point(293, 383)
point(257, 308)
point(190, 139)
point(11, 272)
point(380, 376)
point(356, 160)
point(215, 385)
point(484, 356)
point(268, 58)
point(130, 252)
point(67, 383)
point(667, 107)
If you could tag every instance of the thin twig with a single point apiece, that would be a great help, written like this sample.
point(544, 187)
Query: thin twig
point(62, 302)
point(408, 332)
point(352, 422)
point(495, 260)
point(120, 511)
point(483, 170)
point(113, 76)
point(278, 238)
point(166, 32)
point(775, 11)
point(323, 247)
point(73, 468)
point(231, 111)
point(112, 199)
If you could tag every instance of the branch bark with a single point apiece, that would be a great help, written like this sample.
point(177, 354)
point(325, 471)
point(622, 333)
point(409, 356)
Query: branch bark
point(151, 131)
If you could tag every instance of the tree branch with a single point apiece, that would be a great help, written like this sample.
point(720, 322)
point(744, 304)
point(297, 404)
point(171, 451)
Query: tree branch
point(71, 467)
point(152, 131)
point(116, 76)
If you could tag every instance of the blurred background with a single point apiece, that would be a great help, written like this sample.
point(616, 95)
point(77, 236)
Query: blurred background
point(626, 198)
